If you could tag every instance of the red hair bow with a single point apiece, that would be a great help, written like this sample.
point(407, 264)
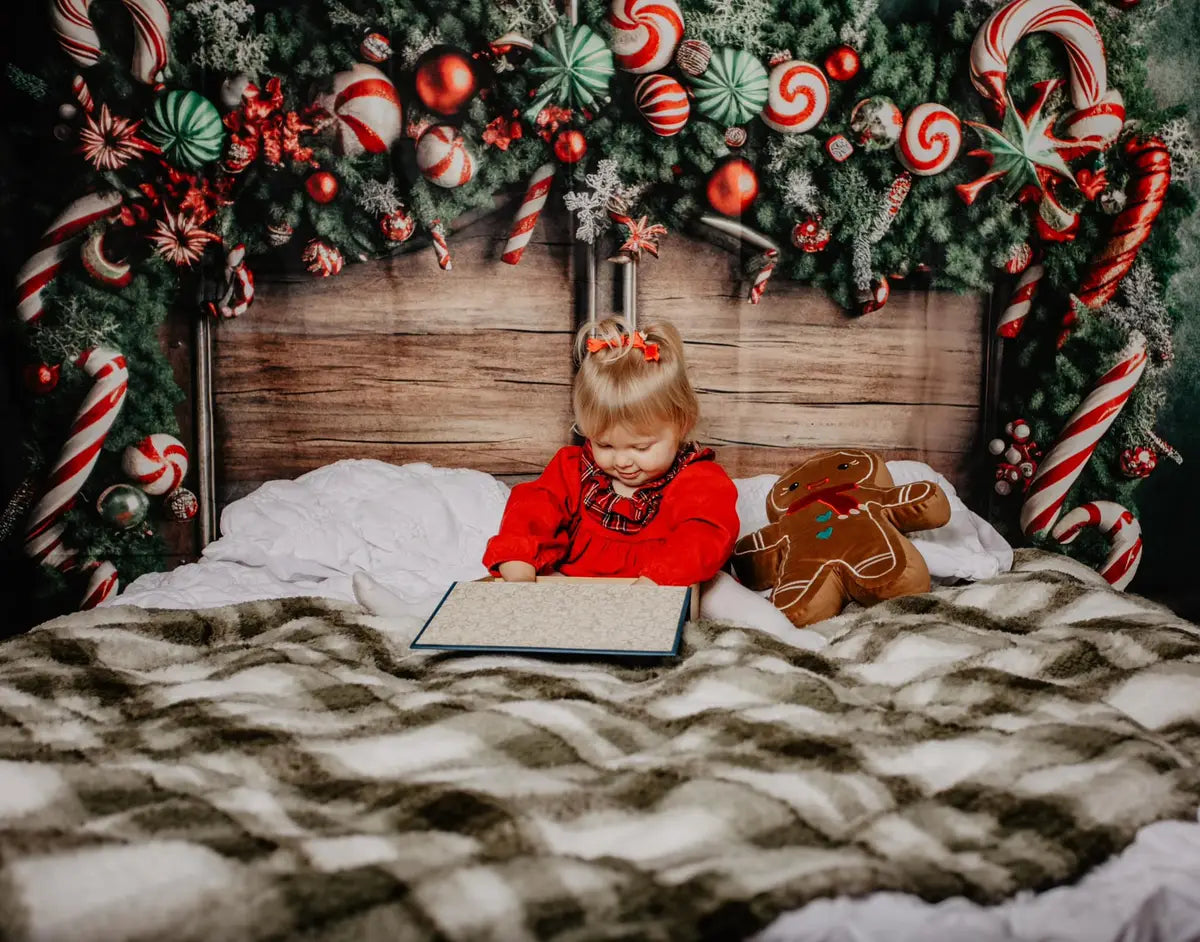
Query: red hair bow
point(638, 340)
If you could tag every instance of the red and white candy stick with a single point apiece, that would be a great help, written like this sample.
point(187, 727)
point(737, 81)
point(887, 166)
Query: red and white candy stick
point(1019, 305)
point(766, 266)
point(1150, 177)
point(82, 93)
point(1115, 522)
point(151, 23)
point(92, 423)
point(238, 295)
point(1078, 439)
point(528, 212)
point(48, 549)
point(101, 585)
point(440, 248)
point(55, 246)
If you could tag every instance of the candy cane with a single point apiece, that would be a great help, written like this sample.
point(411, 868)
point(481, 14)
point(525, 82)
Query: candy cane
point(101, 585)
point(440, 248)
point(92, 423)
point(151, 23)
point(1149, 179)
point(1115, 522)
point(763, 275)
point(54, 248)
point(1019, 305)
point(1078, 439)
point(527, 214)
point(1064, 19)
point(82, 93)
point(239, 286)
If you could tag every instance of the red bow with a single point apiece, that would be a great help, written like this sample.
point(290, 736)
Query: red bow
point(638, 340)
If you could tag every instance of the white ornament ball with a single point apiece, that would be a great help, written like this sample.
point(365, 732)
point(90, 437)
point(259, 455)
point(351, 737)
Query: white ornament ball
point(1020, 430)
point(1012, 456)
point(367, 108)
point(1003, 488)
point(232, 89)
point(996, 446)
point(157, 464)
point(443, 158)
point(797, 97)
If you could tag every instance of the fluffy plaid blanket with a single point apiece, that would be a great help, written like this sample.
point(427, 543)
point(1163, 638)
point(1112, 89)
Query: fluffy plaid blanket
point(290, 767)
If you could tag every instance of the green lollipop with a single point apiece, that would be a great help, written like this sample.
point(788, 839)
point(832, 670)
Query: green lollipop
point(574, 68)
point(733, 88)
point(188, 128)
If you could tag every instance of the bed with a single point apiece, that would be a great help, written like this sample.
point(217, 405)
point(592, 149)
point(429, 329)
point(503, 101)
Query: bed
point(236, 750)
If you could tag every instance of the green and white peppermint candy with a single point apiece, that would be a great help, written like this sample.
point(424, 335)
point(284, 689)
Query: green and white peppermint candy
point(188, 128)
point(574, 66)
point(733, 89)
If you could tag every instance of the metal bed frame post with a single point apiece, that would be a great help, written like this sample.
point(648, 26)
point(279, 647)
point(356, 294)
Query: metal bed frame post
point(202, 391)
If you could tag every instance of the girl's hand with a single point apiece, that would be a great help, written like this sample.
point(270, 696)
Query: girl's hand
point(516, 571)
point(642, 580)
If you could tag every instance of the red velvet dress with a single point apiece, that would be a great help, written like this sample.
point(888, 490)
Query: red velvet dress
point(686, 539)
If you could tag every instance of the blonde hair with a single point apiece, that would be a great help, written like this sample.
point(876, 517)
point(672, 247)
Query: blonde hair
point(618, 385)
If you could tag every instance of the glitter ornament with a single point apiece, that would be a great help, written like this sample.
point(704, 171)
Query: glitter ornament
point(1138, 462)
point(735, 137)
point(398, 226)
point(41, 378)
point(570, 146)
point(810, 236)
point(693, 56)
point(375, 47)
point(876, 123)
point(322, 259)
point(842, 64)
point(122, 506)
point(279, 233)
point(181, 504)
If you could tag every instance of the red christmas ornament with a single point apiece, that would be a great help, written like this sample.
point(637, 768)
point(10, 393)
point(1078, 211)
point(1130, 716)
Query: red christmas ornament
point(1138, 462)
point(41, 378)
point(1017, 458)
point(322, 186)
point(445, 81)
point(732, 187)
point(842, 64)
point(398, 226)
point(570, 146)
point(810, 236)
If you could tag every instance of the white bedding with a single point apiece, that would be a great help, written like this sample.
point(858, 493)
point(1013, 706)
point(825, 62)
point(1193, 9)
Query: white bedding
point(417, 528)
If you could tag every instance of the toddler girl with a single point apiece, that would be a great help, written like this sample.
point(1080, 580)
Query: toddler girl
point(636, 499)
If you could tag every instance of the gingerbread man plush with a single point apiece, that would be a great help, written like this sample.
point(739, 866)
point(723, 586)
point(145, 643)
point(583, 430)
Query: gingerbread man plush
point(836, 533)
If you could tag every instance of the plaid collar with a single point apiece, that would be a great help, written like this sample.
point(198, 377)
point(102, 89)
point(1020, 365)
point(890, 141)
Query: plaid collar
point(630, 514)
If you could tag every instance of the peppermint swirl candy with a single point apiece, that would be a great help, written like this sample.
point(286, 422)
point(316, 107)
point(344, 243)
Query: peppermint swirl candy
point(798, 97)
point(733, 88)
point(645, 33)
point(188, 128)
point(930, 140)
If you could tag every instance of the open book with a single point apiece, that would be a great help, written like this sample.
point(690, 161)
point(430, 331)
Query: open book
point(561, 615)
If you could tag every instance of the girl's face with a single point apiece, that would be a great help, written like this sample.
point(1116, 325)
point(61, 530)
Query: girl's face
point(635, 457)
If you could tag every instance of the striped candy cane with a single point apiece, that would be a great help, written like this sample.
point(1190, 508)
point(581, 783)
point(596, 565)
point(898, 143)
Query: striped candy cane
point(528, 212)
point(54, 247)
point(767, 263)
point(82, 93)
point(1115, 522)
point(440, 248)
point(151, 23)
point(1019, 305)
point(92, 423)
point(1079, 438)
point(101, 585)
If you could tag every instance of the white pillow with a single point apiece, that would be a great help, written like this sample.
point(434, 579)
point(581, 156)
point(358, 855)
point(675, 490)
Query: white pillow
point(968, 547)
point(414, 527)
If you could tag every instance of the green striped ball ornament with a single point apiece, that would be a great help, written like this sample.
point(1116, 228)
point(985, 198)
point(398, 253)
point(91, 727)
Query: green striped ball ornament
point(574, 67)
point(733, 89)
point(188, 128)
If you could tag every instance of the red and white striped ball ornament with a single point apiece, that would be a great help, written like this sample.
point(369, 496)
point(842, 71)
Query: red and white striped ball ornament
point(443, 158)
point(797, 97)
point(367, 109)
point(930, 140)
point(645, 33)
point(663, 103)
point(322, 259)
point(157, 464)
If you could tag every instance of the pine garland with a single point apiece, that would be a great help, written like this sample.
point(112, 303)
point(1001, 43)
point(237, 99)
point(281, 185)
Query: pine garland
point(217, 46)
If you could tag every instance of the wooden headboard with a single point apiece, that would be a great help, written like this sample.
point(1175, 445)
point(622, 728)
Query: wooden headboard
point(400, 361)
